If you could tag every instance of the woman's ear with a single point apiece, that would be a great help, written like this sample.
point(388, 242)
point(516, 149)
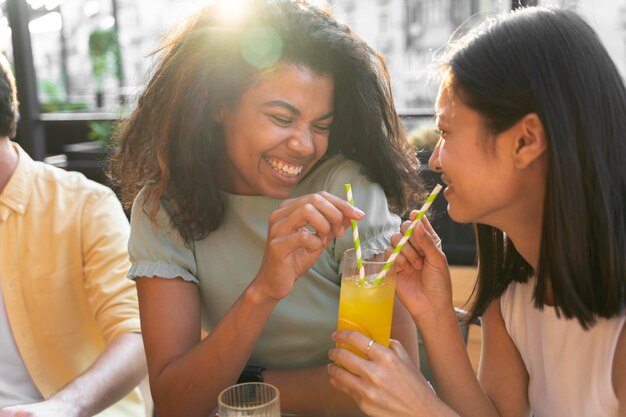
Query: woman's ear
point(531, 142)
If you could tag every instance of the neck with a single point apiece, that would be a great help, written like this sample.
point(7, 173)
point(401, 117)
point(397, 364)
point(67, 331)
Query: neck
point(524, 226)
point(8, 161)
point(527, 241)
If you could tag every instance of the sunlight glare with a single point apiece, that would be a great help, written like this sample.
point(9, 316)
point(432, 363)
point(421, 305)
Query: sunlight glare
point(91, 8)
point(53, 4)
point(319, 3)
point(231, 11)
point(107, 22)
point(50, 22)
point(36, 4)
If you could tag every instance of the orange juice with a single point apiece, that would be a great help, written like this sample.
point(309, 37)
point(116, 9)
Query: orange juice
point(366, 308)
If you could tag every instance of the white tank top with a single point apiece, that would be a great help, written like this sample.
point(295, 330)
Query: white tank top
point(569, 368)
point(16, 385)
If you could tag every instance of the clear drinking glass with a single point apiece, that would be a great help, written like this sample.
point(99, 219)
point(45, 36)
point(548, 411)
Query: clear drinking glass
point(251, 399)
point(366, 304)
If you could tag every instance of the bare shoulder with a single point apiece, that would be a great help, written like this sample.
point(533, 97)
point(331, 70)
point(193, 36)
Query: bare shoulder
point(619, 372)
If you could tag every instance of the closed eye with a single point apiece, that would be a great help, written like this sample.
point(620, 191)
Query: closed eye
point(323, 128)
point(281, 121)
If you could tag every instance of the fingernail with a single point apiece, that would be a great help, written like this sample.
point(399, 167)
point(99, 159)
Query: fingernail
point(333, 335)
point(359, 212)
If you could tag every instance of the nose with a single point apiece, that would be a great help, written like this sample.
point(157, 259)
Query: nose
point(302, 142)
point(433, 161)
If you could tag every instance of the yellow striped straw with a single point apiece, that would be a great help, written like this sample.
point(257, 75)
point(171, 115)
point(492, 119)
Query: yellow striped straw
point(355, 237)
point(407, 234)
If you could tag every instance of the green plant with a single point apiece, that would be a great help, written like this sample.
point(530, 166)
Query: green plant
point(54, 99)
point(51, 90)
point(424, 139)
point(102, 132)
point(103, 51)
point(55, 106)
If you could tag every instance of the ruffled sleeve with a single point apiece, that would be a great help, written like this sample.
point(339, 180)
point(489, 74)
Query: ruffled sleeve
point(158, 250)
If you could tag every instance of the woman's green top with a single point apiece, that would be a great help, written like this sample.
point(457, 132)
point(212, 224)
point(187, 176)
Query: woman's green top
point(297, 334)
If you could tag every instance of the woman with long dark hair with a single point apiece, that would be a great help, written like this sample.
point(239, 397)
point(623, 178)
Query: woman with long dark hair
point(532, 114)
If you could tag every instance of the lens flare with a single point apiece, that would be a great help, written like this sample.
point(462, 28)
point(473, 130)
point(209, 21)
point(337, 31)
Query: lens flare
point(262, 47)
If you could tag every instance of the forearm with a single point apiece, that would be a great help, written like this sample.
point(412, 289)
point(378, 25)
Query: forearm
point(453, 374)
point(403, 329)
point(119, 369)
point(189, 384)
point(308, 392)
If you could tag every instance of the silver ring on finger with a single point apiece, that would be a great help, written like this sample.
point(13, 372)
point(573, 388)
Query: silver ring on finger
point(367, 349)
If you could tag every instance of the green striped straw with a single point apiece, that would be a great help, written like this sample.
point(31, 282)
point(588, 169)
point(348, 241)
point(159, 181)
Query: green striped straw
point(355, 237)
point(407, 234)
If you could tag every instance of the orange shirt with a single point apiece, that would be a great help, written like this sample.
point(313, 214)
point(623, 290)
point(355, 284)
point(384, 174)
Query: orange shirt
point(63, 265)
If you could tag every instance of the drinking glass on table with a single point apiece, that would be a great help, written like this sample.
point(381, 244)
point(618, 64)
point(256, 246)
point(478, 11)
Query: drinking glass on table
point(251, 399)
point(366, 300)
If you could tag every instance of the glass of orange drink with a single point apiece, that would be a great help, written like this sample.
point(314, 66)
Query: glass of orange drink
point(366, 303)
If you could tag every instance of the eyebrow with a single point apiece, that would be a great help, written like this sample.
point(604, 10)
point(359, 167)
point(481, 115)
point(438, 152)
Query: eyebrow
point(292, 109)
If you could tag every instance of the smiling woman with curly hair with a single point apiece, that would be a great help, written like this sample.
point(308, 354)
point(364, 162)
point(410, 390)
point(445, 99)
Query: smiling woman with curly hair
point(236, 158)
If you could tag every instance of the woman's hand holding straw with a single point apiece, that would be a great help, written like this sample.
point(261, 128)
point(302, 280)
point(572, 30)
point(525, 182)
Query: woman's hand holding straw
point(407, 234)
point(355, 236)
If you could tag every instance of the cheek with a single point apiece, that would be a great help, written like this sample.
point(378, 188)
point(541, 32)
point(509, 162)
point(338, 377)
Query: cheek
point(321, 145)
point(462, 164)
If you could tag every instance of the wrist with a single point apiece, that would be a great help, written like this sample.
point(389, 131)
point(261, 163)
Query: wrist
point(436, 319)
point(255, 294)
point(68, 405)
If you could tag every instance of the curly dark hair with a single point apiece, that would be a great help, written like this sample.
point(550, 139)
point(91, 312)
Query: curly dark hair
point(8, 100)
point(170, 145)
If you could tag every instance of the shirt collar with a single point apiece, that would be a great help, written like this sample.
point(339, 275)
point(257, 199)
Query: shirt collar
point(17, 191)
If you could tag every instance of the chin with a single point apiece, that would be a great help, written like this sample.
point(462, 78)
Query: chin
point(458, 216)
point(280, 194)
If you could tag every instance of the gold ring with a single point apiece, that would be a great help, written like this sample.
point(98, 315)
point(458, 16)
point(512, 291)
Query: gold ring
point(367, 349)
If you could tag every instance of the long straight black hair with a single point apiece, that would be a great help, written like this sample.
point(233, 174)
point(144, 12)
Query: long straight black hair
point(552, 63)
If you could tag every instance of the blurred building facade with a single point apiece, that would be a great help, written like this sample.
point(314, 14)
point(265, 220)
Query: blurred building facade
point(60, 32)
point(407, 32)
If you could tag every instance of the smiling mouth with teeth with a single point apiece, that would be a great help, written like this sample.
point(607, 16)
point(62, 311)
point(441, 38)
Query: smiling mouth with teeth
point(284, 168)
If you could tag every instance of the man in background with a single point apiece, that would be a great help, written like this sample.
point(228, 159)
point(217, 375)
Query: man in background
point(70, 342)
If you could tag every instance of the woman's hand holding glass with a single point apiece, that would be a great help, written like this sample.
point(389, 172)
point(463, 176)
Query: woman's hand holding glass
point(422, 274)
point(299, 230)
point(386, 383)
